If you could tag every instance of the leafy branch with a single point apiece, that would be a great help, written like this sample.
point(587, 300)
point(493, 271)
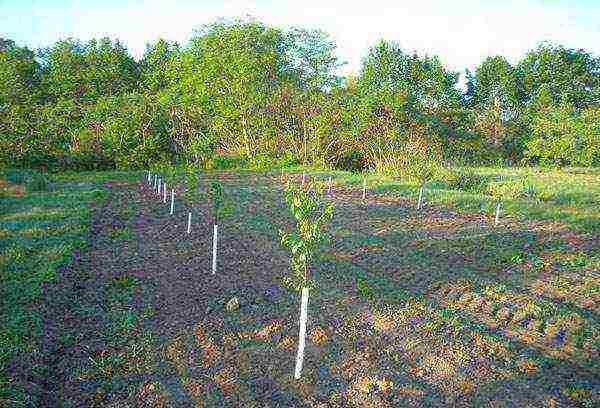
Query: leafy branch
point(311, 215)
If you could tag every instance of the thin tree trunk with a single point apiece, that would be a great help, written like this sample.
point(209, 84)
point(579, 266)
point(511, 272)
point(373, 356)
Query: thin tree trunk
point(497, 213)
point(302, 333)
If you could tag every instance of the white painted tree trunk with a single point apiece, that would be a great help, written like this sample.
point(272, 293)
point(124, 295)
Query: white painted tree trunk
point(497, 213)
point(159, 185)
point(189, 226)
point(214, 254)
point(148, 177)
point(155, 181)
point(420, 197)
point(329, 186)
point(165, 193)
point(302, 334)
point(172, 201)
point(364, 188)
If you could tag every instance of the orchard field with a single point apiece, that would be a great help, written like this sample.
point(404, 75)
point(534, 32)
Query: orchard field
point(107, 300)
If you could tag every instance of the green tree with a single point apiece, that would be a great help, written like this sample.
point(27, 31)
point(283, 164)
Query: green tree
point(20, 92)
point(71, 69)
point(154, 65)
point(571, 75)
point(312, 57)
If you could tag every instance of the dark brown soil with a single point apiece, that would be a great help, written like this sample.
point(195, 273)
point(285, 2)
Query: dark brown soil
point(183, 348)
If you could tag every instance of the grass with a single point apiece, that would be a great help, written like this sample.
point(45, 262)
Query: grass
point(412, 287)
point(40, 229)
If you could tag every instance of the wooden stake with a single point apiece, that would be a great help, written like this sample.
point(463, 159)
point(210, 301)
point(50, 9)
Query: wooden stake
point(189, 226)
point(172, 201)
point(302, 334)
point(214, 254)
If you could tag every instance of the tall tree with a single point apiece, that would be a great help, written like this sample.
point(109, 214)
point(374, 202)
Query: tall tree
point(154, 63)
point(232, 68)
point(572, 75)
point(312, 57)
point(20, 92)
point(87, 71)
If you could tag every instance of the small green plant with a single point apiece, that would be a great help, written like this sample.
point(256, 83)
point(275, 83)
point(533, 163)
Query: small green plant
point(311, 215)
point(126, 282)
point(465, 180)
point(220, 201)
point(364, 290)
point(192, 181)
point(121, 234)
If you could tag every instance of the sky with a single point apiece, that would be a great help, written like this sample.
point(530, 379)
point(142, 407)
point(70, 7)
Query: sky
point(461, 32)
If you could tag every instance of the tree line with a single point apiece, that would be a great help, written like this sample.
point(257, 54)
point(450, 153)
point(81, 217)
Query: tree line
point(243, 92)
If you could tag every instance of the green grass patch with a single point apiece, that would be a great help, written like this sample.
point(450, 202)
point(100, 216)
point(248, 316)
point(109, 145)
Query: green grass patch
point(40, 229)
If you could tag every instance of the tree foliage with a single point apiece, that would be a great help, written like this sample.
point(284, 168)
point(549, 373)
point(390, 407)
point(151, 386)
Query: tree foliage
point(243, 91)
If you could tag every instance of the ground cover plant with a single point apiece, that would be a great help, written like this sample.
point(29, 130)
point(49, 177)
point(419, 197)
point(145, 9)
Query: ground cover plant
point(433, 308)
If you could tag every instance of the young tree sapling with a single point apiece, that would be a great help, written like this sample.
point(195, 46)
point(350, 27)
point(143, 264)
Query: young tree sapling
point(221, 209)
point(311, 215)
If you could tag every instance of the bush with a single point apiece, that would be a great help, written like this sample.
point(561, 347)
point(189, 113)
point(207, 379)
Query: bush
point(288, 160)
point(465, 179)
point(350, 161)
point(563, 136)
point(262, 161)
point(221, 162)
point(33, 180)
point(513, 188)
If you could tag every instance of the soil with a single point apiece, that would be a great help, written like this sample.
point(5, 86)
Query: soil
point(139, 320)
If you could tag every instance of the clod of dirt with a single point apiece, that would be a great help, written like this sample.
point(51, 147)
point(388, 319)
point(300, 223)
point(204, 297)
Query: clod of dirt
point(232, 305)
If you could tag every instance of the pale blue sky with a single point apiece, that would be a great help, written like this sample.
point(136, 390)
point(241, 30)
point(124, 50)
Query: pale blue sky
point(460, 32)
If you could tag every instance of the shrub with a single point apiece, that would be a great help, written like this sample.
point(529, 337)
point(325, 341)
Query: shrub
point(350, 161)
point(514, 188)
point(563, 136)
point(288, 159)
point(39, 182)
point(32, 179)
point(262, 161)
point(465, 179)
point(222, 162)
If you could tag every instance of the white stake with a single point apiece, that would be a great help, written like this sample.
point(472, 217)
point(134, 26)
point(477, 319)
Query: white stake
point(172, 200)
point(282, 174)
point(497, 213)
point(148, 176)
point(364, 188)
point(303, 177)
point(189, 229)
point(329, 186)
point(214, 258)
point(165, 193)
point(302, 334)
point(420, 197)
point(155, 181)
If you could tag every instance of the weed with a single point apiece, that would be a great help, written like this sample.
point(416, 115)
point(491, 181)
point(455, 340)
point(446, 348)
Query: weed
point(363, 288)
point(121, 234)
